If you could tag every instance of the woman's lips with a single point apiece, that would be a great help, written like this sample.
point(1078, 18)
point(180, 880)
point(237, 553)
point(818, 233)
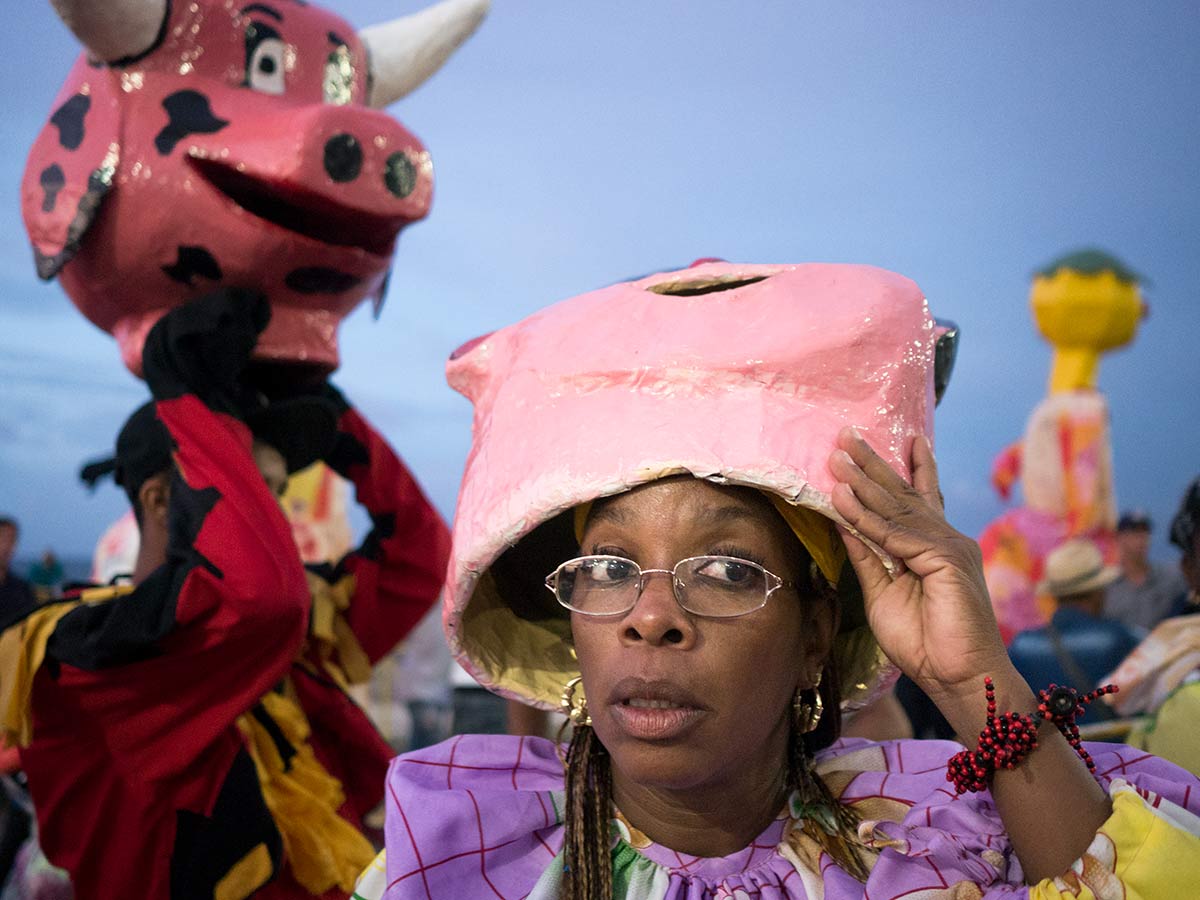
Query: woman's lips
point(654, 710)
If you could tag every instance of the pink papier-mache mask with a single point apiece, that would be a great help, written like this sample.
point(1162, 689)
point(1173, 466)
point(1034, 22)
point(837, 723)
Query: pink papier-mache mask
point(742, 374)
point(232, 144)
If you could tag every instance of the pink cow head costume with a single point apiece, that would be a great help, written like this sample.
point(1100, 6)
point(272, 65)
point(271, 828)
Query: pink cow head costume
point(742, 374)
point(232, 143)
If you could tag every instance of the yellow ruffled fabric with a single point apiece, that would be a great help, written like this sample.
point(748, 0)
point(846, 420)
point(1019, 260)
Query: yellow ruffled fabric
point(338, 650)
point(323, 850)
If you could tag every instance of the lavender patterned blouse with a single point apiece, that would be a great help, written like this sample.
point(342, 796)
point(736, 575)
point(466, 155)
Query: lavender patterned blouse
point(481, 816)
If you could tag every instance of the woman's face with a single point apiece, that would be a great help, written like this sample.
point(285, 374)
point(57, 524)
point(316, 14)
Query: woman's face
point(681, 701)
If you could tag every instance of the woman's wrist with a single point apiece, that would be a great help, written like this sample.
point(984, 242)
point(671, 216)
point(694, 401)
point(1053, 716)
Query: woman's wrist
point(965, 706)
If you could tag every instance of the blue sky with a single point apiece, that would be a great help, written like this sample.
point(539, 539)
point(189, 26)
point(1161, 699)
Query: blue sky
point(961, 144)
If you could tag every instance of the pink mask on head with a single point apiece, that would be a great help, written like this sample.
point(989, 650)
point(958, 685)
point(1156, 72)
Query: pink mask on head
point(239, 150)
point(737, 373)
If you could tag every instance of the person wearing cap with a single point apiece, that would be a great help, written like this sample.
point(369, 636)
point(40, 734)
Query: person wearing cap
point(701, 516)
point(188, 734)
point(1146, 592)
point(1078, 645)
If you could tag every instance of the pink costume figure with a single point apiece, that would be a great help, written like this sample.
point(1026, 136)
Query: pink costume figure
point(204, 144)
point(1084, 304)
point(611, 357)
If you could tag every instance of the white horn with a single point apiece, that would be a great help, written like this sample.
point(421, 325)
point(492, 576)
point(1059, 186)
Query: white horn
point(114, 30)
point(406, 51)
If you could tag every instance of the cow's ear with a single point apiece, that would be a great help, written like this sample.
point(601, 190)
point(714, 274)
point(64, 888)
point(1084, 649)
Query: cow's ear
point(72, 166)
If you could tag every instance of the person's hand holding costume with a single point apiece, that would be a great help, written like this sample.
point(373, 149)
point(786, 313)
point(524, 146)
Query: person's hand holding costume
point(933, 617)
point(203, 348)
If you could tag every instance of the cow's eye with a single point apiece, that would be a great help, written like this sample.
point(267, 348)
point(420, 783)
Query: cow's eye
point(264, 59)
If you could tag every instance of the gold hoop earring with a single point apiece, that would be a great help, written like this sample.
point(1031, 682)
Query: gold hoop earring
point(575, 708)
point(808, 715)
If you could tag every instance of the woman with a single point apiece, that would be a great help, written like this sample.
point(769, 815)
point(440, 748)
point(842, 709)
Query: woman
point(674, 459)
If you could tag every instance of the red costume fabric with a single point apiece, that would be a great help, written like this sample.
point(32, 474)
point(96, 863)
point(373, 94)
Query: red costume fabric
point(139, 773)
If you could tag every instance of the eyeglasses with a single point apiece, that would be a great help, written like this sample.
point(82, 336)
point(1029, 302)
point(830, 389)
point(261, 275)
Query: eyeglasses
point(719, 587)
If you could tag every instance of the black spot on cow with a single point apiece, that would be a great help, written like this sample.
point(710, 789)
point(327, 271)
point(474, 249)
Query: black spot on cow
point(193, 262)
point(320, 280)
point(52, 180)
point(400, 175)
point(188, 113)
point(68, 119)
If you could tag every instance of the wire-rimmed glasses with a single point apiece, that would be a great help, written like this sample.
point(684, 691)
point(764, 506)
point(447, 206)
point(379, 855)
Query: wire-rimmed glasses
point(718, 587)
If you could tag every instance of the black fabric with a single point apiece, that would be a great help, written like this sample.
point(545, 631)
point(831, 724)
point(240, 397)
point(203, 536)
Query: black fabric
point(384, 528)
point(129, 628)
point(16, 599)
point(122, 630)
point(301, 420)
point(303, 429)
point(203, 348)
point(207, 847)
point(282, 745)
point(346, 453)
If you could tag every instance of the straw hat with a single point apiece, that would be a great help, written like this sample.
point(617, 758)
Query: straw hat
point(739, 374)
point(1076, 567)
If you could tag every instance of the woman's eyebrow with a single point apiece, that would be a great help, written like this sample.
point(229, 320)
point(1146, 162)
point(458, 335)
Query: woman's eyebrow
point(609, 513)
point(723, 514)
point(729, 513)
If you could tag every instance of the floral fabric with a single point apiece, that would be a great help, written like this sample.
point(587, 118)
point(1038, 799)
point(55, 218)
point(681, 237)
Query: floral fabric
point(480, 816)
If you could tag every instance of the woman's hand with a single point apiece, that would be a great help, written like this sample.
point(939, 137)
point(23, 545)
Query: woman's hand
point(934, 619)
point(932, 616)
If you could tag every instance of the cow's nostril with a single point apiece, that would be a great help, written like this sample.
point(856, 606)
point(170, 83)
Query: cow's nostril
point(343, 157)
point(400, 175)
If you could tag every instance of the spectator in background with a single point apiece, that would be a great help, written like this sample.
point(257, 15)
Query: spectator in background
point(1185, 534)
point(1145, 592)
point(14, 591)
point(46, 576)
point(1078, 646)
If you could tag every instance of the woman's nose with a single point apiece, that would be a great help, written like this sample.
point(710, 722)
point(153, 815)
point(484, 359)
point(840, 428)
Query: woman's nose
point(657, 618)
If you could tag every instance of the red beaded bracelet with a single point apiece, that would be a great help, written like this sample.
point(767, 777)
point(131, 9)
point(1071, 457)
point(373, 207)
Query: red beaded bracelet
point(1010, 737)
